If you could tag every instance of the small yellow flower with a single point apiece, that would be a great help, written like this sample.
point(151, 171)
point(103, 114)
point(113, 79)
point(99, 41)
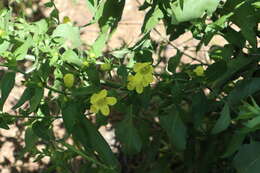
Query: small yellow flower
point(1, 32)
point(138, 82)
point(92, 55)
point(142, 78)
point(100, 102)
point(105, 67)
point(66, 19)
point(199, 71)
point(85, 63)
point(143, 68)
point(69, 80)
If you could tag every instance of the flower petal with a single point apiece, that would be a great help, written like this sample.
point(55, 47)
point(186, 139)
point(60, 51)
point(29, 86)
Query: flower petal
point(102, 94)
point(94, 109)
point(130, 77)
point(147, 79)
point(138, 78)
point(105, 110)
point(138, 67)
point(111, 100)
point(139, 89)
point(130, 86)
point(94, 98)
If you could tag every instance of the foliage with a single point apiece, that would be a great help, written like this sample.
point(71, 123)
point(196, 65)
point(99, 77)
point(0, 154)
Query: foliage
point(201, 117)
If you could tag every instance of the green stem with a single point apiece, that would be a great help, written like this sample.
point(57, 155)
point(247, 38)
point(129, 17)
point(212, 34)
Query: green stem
point(55, 90)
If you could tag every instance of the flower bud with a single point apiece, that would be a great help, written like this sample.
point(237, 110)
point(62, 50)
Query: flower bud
point(105, 67)
point(68, 80)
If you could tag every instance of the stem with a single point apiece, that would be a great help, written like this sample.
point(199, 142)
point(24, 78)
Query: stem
point(175, 47)
point(55, 90)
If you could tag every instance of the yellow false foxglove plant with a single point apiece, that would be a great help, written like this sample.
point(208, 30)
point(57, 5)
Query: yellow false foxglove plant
point(100, 102)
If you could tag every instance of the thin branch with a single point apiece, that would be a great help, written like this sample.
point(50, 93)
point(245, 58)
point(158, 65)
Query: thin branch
point(171, 44)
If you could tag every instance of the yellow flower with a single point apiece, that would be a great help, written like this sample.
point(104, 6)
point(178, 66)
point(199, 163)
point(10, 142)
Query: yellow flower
point(100, 102)
point(85, 63)
point(1, 32)
point(68, 80)
point(199, 71)
point(143, 68)
point(105, 67)
point(92, 55)
point(142, 78)
point(66, 19)
point(138, 82)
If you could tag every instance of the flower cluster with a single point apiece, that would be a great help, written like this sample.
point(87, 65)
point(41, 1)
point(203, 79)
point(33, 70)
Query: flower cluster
point(142, 78)
point(100, 102)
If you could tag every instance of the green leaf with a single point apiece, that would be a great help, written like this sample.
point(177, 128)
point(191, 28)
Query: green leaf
point(175, 128)
point(87, 134)
point(100, 43)
point(42, 129)
point(41, 26)
point(36, 99)
point(108, 15)
point(244, 17)
point(49, 4)
point(151, 19)
point(247, 159)
point(256, 4)
point(121, 53)
point(71, 57)
point(253, 123)
point(223, 121)
point(3, 123)
point(234, 66)
point(192, 9)
point(235, 38)
point(21, 51)
point(199, 107)
point(69, 115)
point(244, 89)
point(216, 70)
point(128, 135)
point(91, 5)
point(83, 154)
point(7, 84)
point(30, 139)
point(174, 62)
point(235, 142)
point(4, 45)
point(93, 75)
point(27, 95)
point(70, 33)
